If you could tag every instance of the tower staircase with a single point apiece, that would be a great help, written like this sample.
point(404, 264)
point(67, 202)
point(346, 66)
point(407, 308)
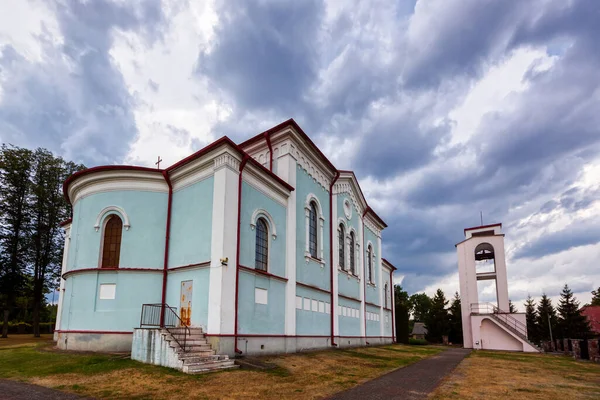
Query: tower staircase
point(505, 320)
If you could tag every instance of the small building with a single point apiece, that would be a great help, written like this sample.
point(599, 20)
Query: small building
point(592, 314)
point(419, 331)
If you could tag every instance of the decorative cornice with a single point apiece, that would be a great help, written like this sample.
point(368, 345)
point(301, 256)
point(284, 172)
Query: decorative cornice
point(226, 160)
point(346, 187)
point(372, 227)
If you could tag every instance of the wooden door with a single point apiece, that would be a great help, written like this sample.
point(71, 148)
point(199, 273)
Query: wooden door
point(185, 306)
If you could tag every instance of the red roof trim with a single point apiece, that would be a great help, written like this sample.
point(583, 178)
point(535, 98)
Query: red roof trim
point(389, 263)
point(284, 124)
point(102, 168)
point(482, 226)
point(66, 222)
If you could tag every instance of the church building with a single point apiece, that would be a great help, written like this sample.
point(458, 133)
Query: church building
point(264, 245)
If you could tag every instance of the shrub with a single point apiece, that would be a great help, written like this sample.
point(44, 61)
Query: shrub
point(417, 342)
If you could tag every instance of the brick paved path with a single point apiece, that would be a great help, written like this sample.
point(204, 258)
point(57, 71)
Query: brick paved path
point(413, 382)
point(24, 391)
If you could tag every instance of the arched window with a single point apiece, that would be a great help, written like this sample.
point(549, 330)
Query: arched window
point(484, 258)
point(111, 247)
point(262, 245)
point(352, 252)
point(342, 246)
point(312, 230)
point(386, 295)
point(370, 263)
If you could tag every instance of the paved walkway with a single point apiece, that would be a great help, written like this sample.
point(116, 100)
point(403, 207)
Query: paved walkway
point(413, 382)
point(24, 391)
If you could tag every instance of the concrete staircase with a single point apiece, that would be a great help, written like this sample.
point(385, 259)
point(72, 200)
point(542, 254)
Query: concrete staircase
point(198, 356)
point(506, 322)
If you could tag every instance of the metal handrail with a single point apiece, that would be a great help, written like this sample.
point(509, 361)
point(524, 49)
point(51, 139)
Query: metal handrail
point(151, 317)
point(500, 315)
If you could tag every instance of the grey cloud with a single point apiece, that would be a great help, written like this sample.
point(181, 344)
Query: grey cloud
point(264, 54)
point(76, 102)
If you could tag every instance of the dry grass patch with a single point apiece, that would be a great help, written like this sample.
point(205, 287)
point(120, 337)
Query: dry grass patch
point(298, 376)
point(500, 375)
point(24, 339)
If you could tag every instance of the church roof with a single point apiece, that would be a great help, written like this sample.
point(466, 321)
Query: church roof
point(419, 329)
point(592, 313)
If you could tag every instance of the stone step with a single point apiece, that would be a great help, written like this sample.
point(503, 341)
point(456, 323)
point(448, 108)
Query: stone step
point(209, 363)
point(189, 330)
point(192, 336)
point(202, 353)
point(188, 341)
point(196, 347)
point(199, 369)
point(201, 359)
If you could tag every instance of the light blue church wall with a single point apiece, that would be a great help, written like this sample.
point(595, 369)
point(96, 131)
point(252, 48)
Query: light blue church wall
point(142, 246)
point(191, 224)
point(373, 327)
point(387, 297)
point(372, 291)
point(350, 323)
point(200, 283)
point(253, 200)
point(255, 318)
point(387, 323)
point(312, 316)
point(84, 310)
point(347, 286)
point(312, 272)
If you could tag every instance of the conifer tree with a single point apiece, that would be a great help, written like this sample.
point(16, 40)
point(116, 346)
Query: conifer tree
point(437, 321)
point(15, 212)
point(402, 307)
point(571, 324)
point(511, 307)
point(546, 318)
point(596, 297)
point(531, 317)
point(456, 332)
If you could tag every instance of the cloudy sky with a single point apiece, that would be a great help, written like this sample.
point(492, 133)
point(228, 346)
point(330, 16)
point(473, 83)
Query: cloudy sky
point(443, 108)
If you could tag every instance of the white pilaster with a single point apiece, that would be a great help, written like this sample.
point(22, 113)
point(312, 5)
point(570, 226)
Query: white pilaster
point(221, 292)
point(379, 268)
point(286, 169)
point(362, 275)
point(61, 288)
point(334, 266)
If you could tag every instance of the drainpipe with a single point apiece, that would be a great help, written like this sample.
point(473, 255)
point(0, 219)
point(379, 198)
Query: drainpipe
point(392, 304)
point(237, 255)
point(337, 175)
point(165, 175)
point(270, 151)
point(365, 272)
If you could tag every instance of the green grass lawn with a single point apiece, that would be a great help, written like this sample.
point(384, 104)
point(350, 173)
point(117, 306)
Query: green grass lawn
point(297, 376)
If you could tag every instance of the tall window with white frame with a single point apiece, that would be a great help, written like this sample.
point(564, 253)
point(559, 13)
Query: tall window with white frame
point(352, 252)
point(111, 244)
point(342, 246)
point(370, 263)
point(312, 230)
point(262, 245)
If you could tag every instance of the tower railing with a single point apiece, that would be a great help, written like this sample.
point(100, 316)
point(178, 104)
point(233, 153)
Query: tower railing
point(504, 317)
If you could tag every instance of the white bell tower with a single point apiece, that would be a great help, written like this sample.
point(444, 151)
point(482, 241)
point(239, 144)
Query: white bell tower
point(487, 325)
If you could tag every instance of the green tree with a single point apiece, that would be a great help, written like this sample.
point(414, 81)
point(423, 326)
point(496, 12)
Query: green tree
point(456, 332)
point(531, 316)
point(571, 324)
point(546, 318)
point(511, 307)
point(596, 297)
point(15, 214)
point(402, 309)
point(437, 320)
point(49, 209)
point(420, 304)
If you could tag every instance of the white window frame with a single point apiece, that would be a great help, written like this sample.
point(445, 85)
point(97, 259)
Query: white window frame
point(321, 223)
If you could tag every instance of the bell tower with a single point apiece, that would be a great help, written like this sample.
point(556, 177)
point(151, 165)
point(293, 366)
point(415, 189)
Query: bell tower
point(481, 257)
